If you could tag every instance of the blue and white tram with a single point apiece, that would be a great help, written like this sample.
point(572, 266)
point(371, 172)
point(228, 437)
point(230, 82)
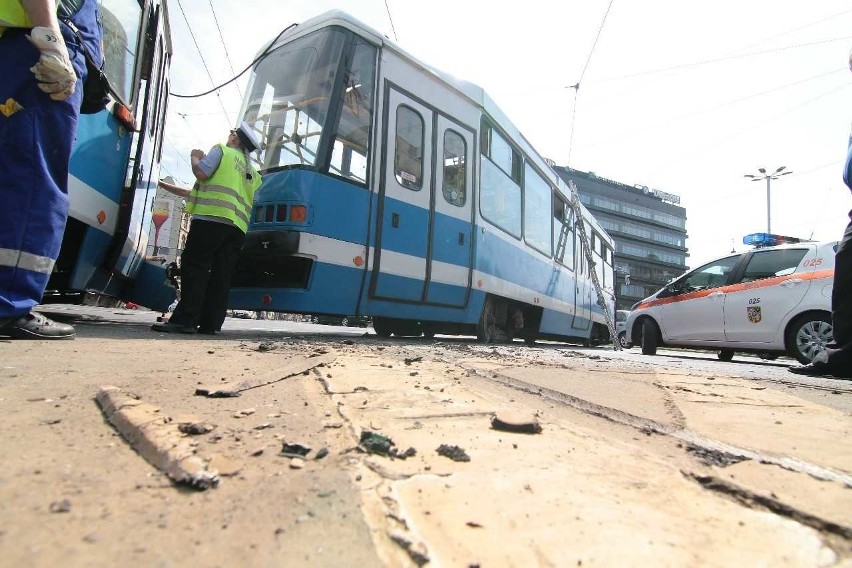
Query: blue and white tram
point(395, 191)
point(115, 164)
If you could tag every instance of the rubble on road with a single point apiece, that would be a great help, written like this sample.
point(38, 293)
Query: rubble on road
point(156, 438)
point(515, 422)
point(297, 365)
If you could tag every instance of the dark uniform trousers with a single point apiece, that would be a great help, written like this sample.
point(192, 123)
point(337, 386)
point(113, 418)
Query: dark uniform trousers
point(207, 265)
point(840, 351)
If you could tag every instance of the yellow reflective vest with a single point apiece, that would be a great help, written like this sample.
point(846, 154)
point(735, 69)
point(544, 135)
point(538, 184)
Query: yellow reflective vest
point(12, 15)
point(228, 194)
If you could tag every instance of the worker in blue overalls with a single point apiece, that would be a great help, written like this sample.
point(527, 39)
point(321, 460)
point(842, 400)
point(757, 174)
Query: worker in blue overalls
point(42, 71)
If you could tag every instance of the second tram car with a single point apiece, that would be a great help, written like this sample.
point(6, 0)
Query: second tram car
point(395, 191)
point(115, 164)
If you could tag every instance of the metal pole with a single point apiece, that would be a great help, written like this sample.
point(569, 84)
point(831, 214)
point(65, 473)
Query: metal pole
point(768, 209)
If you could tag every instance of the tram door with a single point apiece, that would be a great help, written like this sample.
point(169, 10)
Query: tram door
point(405, 196)
point(450, 265)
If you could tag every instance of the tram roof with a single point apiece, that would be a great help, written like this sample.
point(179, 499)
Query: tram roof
point(470, 90)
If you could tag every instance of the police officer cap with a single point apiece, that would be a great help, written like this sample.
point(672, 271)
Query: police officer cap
point(248, 137)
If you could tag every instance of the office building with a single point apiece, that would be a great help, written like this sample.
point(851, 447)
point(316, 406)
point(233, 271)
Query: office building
point(648, 227)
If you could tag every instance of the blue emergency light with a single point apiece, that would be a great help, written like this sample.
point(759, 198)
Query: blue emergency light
point(768, 240)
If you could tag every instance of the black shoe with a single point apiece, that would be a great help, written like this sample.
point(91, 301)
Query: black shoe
point(170, 327)
point(35, 326)
point(813, 369)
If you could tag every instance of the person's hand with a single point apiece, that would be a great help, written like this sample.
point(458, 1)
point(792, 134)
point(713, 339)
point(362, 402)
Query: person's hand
point(53, 71)
point(197, 154)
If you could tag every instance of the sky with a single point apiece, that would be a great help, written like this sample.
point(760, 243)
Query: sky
point(683, 97)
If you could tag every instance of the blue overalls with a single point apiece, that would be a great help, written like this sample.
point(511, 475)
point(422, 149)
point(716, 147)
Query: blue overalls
point(36, 134)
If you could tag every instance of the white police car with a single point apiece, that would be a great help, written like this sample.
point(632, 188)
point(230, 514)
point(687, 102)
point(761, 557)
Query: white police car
point(771, 300)
point(621, 328)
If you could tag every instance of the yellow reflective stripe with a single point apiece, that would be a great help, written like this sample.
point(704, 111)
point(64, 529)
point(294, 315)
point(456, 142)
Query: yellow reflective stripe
point(213, 202)
point(26, 260)
point(227, 191)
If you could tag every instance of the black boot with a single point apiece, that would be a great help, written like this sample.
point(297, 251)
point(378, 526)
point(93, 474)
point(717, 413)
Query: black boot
point(169, 327)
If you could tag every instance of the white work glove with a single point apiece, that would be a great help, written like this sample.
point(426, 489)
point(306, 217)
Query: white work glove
point(54, 72)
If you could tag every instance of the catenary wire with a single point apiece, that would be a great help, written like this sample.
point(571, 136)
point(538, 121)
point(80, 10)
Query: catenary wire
point(770, 91)
point(203, 62)
point(576, 86)
point(269, 49)
point(720, 60)
point(393, 29)
point(796, 29)
point(224, 45)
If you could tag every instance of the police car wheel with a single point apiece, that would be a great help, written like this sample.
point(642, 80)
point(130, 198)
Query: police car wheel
point(808, 335)
point(622, 340)
point(650, 337)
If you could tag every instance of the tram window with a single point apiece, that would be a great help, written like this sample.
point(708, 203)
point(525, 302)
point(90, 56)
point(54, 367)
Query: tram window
point(500, 199)
point(455, 168)
point(289, 96)
point(121, 20)
point(537, 209)
point(352, 139)
point(498, 149)
point(408, 157)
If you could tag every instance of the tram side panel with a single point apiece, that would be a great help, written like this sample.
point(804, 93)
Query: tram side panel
point(424, 177)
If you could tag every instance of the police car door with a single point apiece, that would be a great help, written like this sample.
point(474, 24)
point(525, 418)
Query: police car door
point(692, 309)
point(770, 286)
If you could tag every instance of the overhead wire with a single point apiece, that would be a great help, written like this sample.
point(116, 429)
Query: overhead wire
point(719, 60)
point(576, 86)
point(644, 129)
point(224, 45)
point(393, 29)
point(265, 53)
point(203, 62)
point(796, 29)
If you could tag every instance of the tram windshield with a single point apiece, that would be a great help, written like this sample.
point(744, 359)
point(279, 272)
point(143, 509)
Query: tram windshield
point(291, 104)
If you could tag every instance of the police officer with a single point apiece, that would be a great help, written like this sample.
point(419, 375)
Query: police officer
point(836, 360)
point(42, 70)
point(221, 205)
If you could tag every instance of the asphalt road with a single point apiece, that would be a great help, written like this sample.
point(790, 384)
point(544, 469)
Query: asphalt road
point(771, 374)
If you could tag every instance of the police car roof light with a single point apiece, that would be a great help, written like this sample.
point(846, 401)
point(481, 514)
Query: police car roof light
point(768, 240)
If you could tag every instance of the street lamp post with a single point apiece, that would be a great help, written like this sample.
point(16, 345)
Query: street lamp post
point(782, 171)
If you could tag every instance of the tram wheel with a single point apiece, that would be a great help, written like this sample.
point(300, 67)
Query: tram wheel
point(382, 327)
point(486, 329)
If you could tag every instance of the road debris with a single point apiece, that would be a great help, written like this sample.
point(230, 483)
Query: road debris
point(194, 426)
point(455, 453)
point(295, 450)
point(515, 422)
point(321, 454)
point(63, 506)
point(297, 365)
point(244, 412)
point(714, 457)
point(409, 361)
point(156, 438)
point(373, 443)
